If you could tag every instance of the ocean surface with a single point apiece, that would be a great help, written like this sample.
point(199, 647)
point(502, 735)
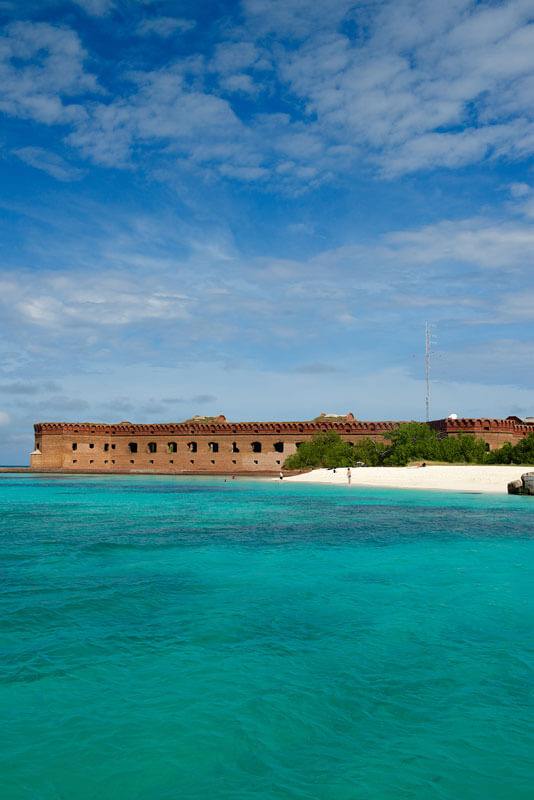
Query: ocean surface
point(193, 638)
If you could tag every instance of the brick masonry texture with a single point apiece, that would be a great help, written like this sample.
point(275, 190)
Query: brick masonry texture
point(219, 446)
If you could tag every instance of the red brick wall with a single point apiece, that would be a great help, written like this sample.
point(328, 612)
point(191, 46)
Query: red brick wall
point(55, 442)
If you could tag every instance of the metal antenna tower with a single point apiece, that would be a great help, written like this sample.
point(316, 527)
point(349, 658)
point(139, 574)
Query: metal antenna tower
point(428, 340)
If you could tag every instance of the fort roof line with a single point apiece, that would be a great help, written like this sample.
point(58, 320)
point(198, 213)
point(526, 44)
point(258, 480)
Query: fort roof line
point(346, 424)
point(198, 427)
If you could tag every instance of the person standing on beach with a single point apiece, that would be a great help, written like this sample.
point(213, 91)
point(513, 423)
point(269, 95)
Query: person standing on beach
point(349, 475)
point(281, 476)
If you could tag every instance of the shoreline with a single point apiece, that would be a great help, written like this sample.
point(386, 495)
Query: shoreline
point(482, 479)
point(140, 472)
point(486, 479)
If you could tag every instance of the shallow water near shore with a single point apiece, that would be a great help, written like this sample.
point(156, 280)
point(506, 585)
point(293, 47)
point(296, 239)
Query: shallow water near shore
point(194, 638)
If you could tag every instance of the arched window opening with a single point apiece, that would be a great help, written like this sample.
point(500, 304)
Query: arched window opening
point(133, 447)
point(256, 447)
point(192, 447)
point(213, 447)
point(279, 447)
point(235, 448)
point(75, 445)
point(152, 447)
point(173, 447)
point(106, 447)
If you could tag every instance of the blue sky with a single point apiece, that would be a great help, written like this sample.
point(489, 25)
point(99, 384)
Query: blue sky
point(253, 207)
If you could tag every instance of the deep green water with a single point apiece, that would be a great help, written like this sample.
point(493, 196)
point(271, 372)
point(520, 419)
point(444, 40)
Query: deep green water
point(189, 638)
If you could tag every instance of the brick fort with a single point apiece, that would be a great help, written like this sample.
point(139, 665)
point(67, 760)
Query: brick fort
point(212, 444)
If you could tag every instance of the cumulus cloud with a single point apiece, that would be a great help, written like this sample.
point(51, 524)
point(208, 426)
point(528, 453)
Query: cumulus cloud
point(41, 66)
point(166, 110)
point(426, 87)
point(403, 86)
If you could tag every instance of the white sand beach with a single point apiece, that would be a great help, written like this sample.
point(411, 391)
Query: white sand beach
point(468, 478)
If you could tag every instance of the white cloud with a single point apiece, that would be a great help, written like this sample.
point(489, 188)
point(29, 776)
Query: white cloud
point(167, 111)
point(164, 26)
point(97, 8)
point(519, 189)
point(48, 162)
point(239, 82)
point(426, 87)
point(40, 65)
point(478, 242)
point(118, 301)
point(412, 87)
point(230, 57)
point(5, 419)
point(295, 18)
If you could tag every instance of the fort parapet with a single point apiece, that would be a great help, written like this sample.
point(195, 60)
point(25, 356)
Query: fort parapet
point(215, 445)
point(495, 432)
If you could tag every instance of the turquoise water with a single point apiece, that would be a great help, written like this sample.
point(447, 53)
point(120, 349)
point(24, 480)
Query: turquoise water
point(190, 638)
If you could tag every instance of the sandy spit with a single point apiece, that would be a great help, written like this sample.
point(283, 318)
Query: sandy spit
point(468, 478)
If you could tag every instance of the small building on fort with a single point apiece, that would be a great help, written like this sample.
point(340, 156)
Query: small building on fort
point(213, 444)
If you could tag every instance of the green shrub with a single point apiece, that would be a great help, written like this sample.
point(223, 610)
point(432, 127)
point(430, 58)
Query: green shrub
point(412, 441)
point(325, 449)
point(520, 453)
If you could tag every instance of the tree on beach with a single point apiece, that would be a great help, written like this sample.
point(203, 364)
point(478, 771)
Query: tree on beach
point(372, 453)
point(325, 449)
point(520, 453)
point(412, 441)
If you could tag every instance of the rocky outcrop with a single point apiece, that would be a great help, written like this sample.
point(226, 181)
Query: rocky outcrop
point(523, 486)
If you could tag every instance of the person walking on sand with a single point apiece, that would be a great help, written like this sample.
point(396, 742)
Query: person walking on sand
point(349, 476)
